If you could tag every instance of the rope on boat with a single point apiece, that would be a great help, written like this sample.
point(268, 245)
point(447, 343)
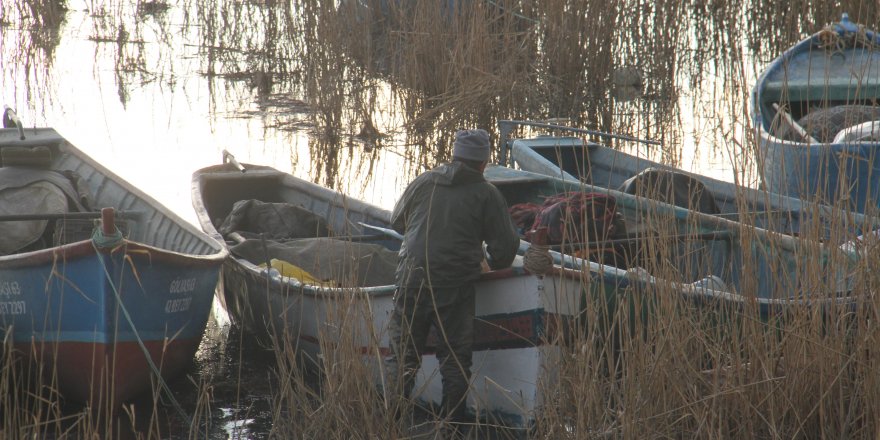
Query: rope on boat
point(536, 258)
point(100, 240)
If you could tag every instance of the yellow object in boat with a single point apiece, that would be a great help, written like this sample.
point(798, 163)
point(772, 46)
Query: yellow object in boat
point(292, 271)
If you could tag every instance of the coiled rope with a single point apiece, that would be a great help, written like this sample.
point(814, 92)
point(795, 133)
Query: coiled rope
point(102, 240)
point(537, 259)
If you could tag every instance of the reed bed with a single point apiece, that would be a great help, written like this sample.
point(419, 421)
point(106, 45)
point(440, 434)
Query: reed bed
point(643, 362)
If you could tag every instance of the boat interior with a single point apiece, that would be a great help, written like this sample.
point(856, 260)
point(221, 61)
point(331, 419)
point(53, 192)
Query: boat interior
point(602, 167)
point(54, 194)
point(819, 93)
point(40, 205)
point(309, 233)
point(665, 241)
point(624, 244)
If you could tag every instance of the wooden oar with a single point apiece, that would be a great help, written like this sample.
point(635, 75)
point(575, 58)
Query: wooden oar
point(717, 235)
point(794, 125)
point(705, 236)
point(511, 123)
point(237, 238)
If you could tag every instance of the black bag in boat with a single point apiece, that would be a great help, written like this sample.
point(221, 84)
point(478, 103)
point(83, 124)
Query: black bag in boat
point(250, 218)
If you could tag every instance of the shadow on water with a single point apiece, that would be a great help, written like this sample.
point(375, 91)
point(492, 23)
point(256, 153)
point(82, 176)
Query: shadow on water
point(234, 377)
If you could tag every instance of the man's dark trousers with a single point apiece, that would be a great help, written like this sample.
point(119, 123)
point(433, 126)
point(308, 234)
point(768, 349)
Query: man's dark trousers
point(451, 311)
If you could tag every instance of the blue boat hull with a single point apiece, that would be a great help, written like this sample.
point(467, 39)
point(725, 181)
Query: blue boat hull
point(90, 315)
point(104, 319)
point(844, 175)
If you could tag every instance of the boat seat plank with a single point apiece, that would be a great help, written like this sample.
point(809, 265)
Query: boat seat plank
point(510, 181)
point(796, 91)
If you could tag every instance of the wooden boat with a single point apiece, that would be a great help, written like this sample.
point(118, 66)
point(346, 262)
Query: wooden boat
point(334, 303)
point(816, 113)
point(104, 312)
point(737, 239)
point(571, 158)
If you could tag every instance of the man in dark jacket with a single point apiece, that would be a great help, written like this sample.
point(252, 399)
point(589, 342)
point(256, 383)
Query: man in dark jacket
point(445, 215)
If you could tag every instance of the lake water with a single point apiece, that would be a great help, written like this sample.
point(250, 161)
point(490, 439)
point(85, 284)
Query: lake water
point(156, 90)
point(146, 107)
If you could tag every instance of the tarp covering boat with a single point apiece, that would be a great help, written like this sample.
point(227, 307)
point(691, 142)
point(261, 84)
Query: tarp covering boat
point(36, 191)
point(335, 262)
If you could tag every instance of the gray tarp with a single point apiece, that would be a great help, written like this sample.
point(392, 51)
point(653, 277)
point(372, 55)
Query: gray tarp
point(300, 237)
point(33, 191)
point(37, 198)
point(824, 124)
point(274, 220)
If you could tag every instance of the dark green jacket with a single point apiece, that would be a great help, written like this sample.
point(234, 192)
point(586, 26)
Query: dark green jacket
point(445, 216)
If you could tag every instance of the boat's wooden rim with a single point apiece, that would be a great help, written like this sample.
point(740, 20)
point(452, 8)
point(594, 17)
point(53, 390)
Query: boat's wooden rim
point(294, 284)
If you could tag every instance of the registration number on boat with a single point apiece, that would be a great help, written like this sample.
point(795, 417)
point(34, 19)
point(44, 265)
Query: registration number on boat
point(9, 288)
point(177, 305)
point(182, 286)
point(13, 307)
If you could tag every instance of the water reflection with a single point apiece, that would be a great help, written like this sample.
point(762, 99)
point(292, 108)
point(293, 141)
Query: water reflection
point(470, 65)
point(237, 377)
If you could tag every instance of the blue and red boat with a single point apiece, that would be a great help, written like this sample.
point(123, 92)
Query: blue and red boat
point(103, 289)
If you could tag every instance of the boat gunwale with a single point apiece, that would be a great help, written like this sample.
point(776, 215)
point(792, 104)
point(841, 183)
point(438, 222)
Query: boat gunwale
point(87, 247)
point(291, 283)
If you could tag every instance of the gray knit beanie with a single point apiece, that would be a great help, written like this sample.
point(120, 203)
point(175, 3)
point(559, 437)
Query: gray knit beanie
point(471, 145)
